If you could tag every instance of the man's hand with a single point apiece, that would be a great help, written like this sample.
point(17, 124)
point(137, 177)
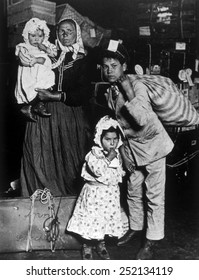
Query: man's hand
point(128, 164)
point(125, 83)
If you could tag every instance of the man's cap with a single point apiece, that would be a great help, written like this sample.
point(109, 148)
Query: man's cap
point(115, 49)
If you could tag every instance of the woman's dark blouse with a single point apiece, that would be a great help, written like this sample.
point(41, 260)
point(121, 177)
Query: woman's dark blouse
point(74, 77)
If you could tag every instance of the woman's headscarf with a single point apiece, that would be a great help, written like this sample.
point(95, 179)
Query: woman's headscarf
point(78, 46)
point(104, 124)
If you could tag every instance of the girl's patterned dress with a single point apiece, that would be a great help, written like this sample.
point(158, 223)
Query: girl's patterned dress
point(97, 212)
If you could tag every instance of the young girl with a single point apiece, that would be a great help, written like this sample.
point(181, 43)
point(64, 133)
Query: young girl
point(35, 67)
point(97, 212)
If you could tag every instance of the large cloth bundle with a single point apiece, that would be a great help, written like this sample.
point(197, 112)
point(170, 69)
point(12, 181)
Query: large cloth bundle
point(171, 106)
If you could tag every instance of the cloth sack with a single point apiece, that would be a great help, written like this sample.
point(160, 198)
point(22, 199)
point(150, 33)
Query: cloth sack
point(168, 102)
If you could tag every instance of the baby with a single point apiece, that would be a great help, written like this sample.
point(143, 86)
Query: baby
point(35, 67)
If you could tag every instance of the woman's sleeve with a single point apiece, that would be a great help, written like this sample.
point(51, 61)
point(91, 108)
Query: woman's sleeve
point(79, 93)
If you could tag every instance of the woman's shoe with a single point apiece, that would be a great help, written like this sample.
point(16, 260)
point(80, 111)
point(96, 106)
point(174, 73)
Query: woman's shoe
point(87, 253)
point(102, 251)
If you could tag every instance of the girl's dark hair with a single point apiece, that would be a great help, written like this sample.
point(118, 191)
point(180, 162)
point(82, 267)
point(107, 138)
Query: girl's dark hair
point(111, 129)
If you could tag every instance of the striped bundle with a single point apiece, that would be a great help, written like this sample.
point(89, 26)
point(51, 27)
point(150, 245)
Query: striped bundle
point(171, 106)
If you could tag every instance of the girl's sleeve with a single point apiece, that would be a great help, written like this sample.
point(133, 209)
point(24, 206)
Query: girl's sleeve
point(100, 169)
point(97, 164)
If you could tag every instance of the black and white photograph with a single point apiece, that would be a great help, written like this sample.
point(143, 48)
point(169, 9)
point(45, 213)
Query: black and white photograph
point(99, 137)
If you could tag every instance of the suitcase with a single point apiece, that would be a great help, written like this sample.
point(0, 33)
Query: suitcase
point(15, 224)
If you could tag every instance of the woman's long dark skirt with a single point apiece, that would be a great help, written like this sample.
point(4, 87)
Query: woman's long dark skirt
point(53, 151)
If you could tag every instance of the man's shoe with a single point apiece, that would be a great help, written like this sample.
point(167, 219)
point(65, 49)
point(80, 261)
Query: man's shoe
point(127, 237)
point(147, 251)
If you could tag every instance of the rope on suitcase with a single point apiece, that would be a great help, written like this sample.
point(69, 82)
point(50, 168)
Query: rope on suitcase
point(45, 197)
point(51, 226)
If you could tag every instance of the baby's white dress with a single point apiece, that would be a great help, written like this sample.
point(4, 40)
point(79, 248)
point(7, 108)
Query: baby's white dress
point(31, 77)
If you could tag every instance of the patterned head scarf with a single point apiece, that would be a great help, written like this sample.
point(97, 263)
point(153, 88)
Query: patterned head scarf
point(32, 26)
point(104, 124)
point(78, 46)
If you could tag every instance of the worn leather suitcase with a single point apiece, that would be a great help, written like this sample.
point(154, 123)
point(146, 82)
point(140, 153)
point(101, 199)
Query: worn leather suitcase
point(16, 216)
